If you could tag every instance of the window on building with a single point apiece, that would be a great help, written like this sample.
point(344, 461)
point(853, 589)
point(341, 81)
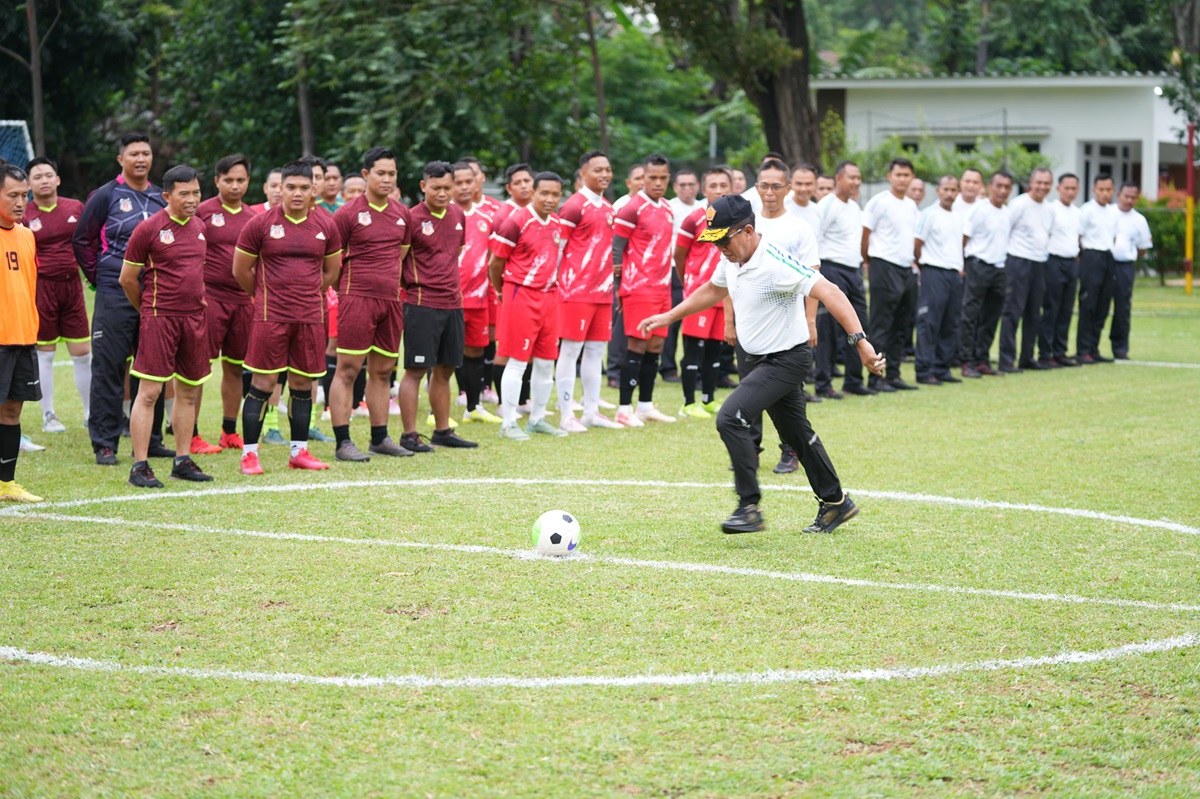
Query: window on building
point(1032, 146)
point(965, 146)
point(1108, 151)
point(910, 147)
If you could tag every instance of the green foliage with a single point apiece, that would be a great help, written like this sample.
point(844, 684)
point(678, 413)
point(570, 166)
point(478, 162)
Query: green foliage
point(1167, 218)
point(1183, 90)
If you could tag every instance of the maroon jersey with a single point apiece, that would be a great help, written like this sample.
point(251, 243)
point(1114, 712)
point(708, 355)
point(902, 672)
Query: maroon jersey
point(372, 237)
point(430, 275)
point(290, 257)
point(473, 260)
point(650, 228)
point(222, 227)
point(702, 257)
point(172, 259)
point(530, 246)
point(587, 268)
point(52, 229)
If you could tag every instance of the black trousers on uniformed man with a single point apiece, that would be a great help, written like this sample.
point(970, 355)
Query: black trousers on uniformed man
point(772, 383)
point(618, 346)
point(893, 300)
point(1124, 273)
point(983, 300)
point(667, 363)
point(1024, 289)
point(939, 313)
point(1097, 278)
point(831, 338)
point(115, 326)
point(1058, 304)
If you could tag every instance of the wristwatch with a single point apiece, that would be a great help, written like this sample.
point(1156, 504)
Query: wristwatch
point(854, 338)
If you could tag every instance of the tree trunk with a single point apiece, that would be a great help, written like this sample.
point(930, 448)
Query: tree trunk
point(981, 51)
point(308, 137)
point(598, 78)
point(35, 70)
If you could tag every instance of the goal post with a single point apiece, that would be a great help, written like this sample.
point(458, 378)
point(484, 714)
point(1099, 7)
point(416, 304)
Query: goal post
point(15, 144)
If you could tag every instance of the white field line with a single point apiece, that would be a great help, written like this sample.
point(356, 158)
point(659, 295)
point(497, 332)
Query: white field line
point(978, 504)
point(660, 565)
point(1164, 364)
point(1186, 641)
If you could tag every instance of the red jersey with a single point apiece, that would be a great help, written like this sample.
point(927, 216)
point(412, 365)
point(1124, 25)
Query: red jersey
point(489, 205)
point(702, 257)
point(650, 228)
point(503, 210)
point(222, 227)
point(430, 275)
point(473, 260)
point(171, 255)
point(52, 229)
point(587, 268)
point(372, 237)
point(290, 257)
point(529, 244)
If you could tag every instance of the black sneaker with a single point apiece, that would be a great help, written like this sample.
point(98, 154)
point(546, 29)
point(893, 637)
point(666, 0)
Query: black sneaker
point(159, 451)
point(831, 394)
point(746, 519)
point(859, 390)
point(106, 457)
point(882, 387)
point(449, 438)
point(811, 398)
point(389, 448)
point(187, 469)
point(830, 516)
point(125, 427)
point(788, 463)
point(1010, 369)
point(1098, 358)
point(142, 476)
point(948, 378)
point(971, 372)
point(415, 442)
point(346, 451)
point(900, 385)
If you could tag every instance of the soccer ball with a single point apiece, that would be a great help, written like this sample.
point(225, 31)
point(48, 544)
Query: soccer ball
point(556, 532)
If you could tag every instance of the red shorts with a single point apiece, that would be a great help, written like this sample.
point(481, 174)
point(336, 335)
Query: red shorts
point(708, 324)
point(331, 306)
point(228, 330)
point(297, 347)
point(172, 346)
point(528, 324)
point(62, 313)
point(585, 321)
point(367, 323)
point(476, 321)
point(493, 307)
point(637, 307)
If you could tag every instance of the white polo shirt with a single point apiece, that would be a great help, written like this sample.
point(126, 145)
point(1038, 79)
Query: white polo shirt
point(839, 237)
point(808, 212)
point(791, 233)
point(965, 208)
point(1133, 234)
point(941, 234)
point(1029, 234)
point(1064, 236)
point(768, 294)
point(892, 221)
point(986, 229)
point(683, 210)
point(1097, 226)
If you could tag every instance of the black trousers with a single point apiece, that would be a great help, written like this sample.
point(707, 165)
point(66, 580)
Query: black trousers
point(667, 362)
point(831, 338)
point(1024, 288)
point(1124, 273)
point(1097, 279)
point(893, 300)
point(114, 338)
point(1058, 304)
point(983, 300)
point(939, 312)
point(617, 345)
point(772, 383)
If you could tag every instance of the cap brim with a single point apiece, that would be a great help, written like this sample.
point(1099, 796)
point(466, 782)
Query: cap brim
point(713, 234)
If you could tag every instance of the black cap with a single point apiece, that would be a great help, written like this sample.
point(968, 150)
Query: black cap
point(724, 215)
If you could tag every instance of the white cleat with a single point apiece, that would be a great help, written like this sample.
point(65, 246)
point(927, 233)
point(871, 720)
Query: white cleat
point(655, 415)
point(51, 424)
point(572, 425)
point(601, 421)
point(604, 404)
point(629, 420)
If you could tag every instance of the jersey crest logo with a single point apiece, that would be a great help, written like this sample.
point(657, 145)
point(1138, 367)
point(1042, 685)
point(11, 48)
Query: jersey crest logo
point(71, 219)
point(126, 205)
point(609, 220)
point(427, 228)
point(218, 220)
point(557, 237)
point(277, 231)
point(364, 218)
point(166, 237)
point(482, 226)
point(321, 236)
point(35, 225)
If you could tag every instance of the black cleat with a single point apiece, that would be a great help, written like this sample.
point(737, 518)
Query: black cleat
point(159, 451)
point(1065, 360)
point(900, 385)
point(859, 390)
point(346, 451)
point(970, 372)
point(414, 442)
point(726, 382)
point(811, 398)
point(883, 387)
point(1098, 358)
point(831, 394)
point(449, 438)
point(788, 463)
point(1010, 369)
point(142, 476)
point(830, 516)
point(929, 381)
point(948, 378)
point(187, 469)
point(746, 519)
point(106, 457)
point(389, 448)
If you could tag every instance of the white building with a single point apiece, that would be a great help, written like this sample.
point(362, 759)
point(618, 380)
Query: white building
point(1083, 123)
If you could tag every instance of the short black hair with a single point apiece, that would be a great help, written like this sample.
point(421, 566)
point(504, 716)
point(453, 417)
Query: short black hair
point(589, 155)
point(296, 169)
point(826, 176)
point(13, 171)
point(459, 166)
point(804, 166)
point(276, 171)
point(470, 159)
point(1002, 173)
point(717, 170)
point(775, 164)
point(178, 174)
point(1129, 185)
point(131, 138)
point(841, 167)
point(1068, 176)
point(540, 176)
point(901, 162)
point(1103, 176)
point(681, 172)
point(1039, 169)
point(514, 169)
point(229, 162)
point(39, 161)
point(773, 154)
point(973, 169)
point(632, 168)
point(947, 176)
point(437, 169)
point(656, 159)
point(376, 154)
point(313, 160)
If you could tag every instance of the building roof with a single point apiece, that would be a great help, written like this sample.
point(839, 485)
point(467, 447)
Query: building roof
point(912, 80)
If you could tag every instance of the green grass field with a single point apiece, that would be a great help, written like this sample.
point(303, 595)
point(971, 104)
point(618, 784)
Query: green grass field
point(776, 664)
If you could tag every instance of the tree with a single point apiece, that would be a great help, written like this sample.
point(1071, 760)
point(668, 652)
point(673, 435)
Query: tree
point(37, 43)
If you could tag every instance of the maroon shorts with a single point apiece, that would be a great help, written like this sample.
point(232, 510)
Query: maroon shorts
point(585, 321)
point(637, 307)
point(228, 330)
point(172, 346)
point(528, 324)
point(476, 321)
point(366, 324)
point(297, 347)
point(62, 313)
point(708, 324)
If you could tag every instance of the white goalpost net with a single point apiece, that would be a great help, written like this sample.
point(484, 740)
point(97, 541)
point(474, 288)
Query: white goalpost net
point(15, 145)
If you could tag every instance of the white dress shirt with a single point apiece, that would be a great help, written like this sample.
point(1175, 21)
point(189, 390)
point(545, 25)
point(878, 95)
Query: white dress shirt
point(1097, 226)
point(941, 235)
point(986, 229)
point(1064, 236)
point(839, 237)
point(892, 221)
point(1029, 232)
point(1133, 234)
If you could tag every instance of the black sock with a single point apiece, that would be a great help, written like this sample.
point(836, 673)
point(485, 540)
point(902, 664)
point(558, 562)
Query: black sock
point(630, 370)
point(254, 408)
point(300, 413)
point(341, 433)
point(181, 458)
point(195, 429)
point(228, 426)
point(499, 387)
point(360, 386)
point(378, 433)
point(472, 380)
point(710, 374)
point(10, 448)
point(525, 383)
point(327, 378)
point(693, 354)
point(646, 378)
point(247, 376)
point(489, 372)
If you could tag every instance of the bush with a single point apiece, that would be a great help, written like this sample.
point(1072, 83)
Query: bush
point(1167, 218)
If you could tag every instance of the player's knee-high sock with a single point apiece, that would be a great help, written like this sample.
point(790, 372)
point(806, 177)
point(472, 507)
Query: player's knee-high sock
point(693, 353)
point(510, 390)
point(568, 353)
point(300, 417)
point(360, 386)
point(646, 379)
point(254, 410)
point(327, 380)
point(10, 448)
point(541, 385)
point(489, 372)
point(591, 371)
point(630, 371)
point(46, 373)
point(83, 381)
point(471, 380)
point(525, 384)
point(710, 371)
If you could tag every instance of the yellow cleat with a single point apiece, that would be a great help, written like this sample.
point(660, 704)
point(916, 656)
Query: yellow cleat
point(711, 407)
point(480, 414)
point(431, 422)
point(695, 411)
point(11, 492)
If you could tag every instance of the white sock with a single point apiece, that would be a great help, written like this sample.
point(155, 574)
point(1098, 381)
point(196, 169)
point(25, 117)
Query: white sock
point(126, 406)
point(83, 381)
point(46, 372)
point(169, 412)
point(568, 354)
point(298, 446)
point(644, 407)
point(541, 385)
point(510, 390)
point(249, 448)
point(591, 374)
point(625, 409)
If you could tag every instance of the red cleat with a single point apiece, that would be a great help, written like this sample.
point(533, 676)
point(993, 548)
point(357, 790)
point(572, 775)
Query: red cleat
point(250, 464)
point(202, 447)
point(231, 441)
point(305, 460)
